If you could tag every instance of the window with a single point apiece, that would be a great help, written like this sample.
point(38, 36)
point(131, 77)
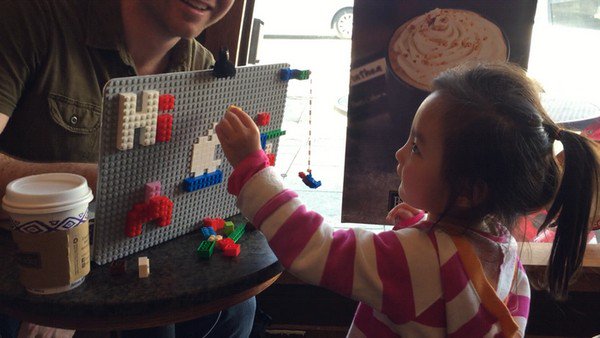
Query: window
point(564, 58)
point(323, 47)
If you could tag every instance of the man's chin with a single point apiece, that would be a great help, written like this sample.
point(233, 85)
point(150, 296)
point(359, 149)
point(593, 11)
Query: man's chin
point(188, 31)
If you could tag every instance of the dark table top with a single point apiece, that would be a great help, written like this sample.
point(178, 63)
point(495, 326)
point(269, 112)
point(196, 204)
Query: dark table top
point(181, 286)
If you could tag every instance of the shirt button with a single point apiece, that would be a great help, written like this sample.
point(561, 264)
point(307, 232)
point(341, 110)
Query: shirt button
point(74, 120)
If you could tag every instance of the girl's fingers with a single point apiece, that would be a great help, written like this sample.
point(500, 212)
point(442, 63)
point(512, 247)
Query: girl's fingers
point(402, 211)
point(243, 117)
point(221, 136)
point(223, 129)
point(411, 208)
point(404, 214)
point(247, 120)
point(233, 120)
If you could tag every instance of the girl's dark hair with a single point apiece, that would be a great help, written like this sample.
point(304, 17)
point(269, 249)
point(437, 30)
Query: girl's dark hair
point(499, 145)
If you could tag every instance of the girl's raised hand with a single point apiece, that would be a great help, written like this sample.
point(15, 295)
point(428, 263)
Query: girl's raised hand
point(238, 134)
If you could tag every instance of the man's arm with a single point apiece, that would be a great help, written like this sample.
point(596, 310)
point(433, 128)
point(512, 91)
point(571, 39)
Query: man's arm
point(12, 168)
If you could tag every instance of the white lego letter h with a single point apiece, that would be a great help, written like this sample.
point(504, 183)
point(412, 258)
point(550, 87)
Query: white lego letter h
point(130, 119)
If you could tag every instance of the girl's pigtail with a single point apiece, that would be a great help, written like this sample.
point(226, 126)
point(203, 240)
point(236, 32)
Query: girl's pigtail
point(571, 210)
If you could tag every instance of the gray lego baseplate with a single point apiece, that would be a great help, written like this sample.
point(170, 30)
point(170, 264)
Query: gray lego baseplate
point(200, 102)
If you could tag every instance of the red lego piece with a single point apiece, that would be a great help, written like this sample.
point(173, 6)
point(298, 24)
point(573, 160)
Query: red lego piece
point(232, 250)
point(271, 158)
point(262, 119)
point(225, 242)
point(215, 223)
point(162, 209)
point(166, 102)
point(158, 208)
point(135, 218)
point(164, 127)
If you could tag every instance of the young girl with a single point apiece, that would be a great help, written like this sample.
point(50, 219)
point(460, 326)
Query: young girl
point(479, 156)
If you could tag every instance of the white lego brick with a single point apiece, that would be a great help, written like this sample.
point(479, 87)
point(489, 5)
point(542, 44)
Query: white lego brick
point(127, 103)
point(130, 119)
point(143, 267)
point(203, 154)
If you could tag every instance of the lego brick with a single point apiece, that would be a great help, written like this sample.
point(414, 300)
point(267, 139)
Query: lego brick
point(143, 267)
point(164, 127)
point(228, 228)
point(271, 158)
point(263, 119)
point(205, 249)
point(201, 102)
point(309, 181)
point(224, 242)
point(263, 140)
point(232, 250)
point(274, 133)
point(237, 233)
point(203, 154)
point(152, 190)
point(166, 102)
point(159, 208)
point(287, 74)
point(269, 148)
point(129, 119)
point(215, 223)
point(207, 231)
point(203, 181)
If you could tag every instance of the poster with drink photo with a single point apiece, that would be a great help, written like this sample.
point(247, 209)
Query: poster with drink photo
point(398, 47)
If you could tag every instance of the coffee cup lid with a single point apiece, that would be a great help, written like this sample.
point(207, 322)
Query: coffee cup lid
point(45, 193)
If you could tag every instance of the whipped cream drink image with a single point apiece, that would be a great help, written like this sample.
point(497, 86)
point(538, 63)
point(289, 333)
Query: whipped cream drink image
point(440, 39)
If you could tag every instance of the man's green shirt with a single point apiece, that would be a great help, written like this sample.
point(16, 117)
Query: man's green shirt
point(55, 58)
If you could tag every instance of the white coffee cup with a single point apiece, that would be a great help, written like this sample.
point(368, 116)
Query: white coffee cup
point(50, 228)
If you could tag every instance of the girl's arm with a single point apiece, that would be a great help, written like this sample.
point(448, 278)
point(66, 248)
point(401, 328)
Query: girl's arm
point(372, 268)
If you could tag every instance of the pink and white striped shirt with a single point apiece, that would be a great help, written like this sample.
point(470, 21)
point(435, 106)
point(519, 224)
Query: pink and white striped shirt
point(411, 282)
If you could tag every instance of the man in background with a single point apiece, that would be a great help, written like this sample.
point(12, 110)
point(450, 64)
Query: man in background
point(55, 58)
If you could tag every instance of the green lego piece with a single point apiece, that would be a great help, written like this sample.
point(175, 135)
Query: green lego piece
point(205, 250)
point(229, 227)
point(274, 133)
point(237, 233)
point(303, 74)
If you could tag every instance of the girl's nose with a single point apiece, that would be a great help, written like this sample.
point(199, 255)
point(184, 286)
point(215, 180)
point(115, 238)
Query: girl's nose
point(399, 154)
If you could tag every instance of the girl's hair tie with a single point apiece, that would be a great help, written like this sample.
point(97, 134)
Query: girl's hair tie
point(558, 134)
point(554, 132)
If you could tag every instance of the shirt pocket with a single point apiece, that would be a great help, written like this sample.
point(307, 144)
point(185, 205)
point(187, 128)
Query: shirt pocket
point(74, 115)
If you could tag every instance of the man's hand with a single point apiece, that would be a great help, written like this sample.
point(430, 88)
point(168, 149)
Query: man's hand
point(238, 134)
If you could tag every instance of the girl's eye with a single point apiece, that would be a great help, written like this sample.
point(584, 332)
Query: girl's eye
point(414, 149)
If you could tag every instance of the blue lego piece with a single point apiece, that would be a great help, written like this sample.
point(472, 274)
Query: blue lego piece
point(207, 232)
point(287, 74)
point(205, 180)
point(309, 181)
point(263, 140)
